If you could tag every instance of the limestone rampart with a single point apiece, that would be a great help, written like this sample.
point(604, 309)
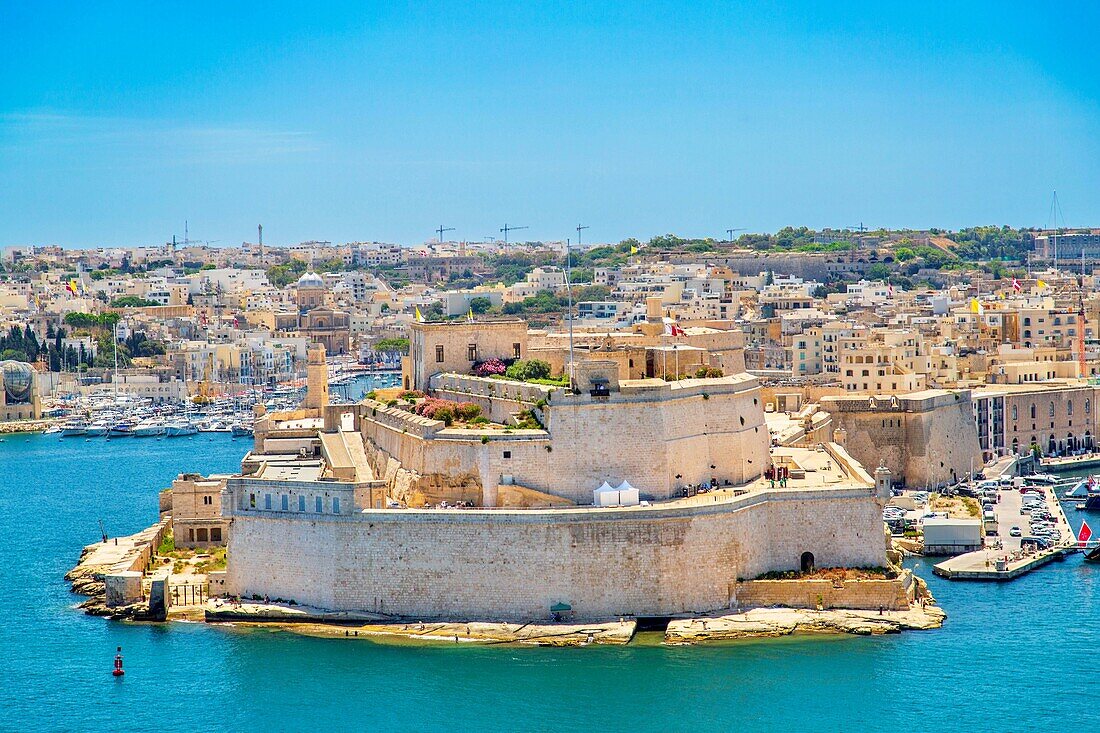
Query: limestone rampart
point(516, 564)
point(894, 594)
point(927, 439)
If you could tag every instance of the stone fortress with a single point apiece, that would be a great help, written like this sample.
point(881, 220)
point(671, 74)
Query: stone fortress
point(372, 508)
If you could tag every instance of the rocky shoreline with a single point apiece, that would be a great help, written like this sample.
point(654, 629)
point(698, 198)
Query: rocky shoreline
point(752, 624)
point(26, 426)
point(775, 622)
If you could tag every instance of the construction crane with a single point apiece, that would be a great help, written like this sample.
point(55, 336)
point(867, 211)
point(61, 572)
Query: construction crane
point(505, 229)
point(731, 231)
point(441, 231)
point(858, 244)
point(581, 228)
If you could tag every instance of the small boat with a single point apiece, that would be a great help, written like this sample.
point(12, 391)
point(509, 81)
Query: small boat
point(180, 428)
point(148, 429)
point(74, 428)
point(121, 429)
point(241, 431)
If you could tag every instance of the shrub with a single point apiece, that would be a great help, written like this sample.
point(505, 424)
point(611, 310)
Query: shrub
point(490, 367)
point(467, 411)
point(529, 370)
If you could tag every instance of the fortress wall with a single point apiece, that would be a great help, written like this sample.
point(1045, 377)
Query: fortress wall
point(647, 439)
point(931, 443)
point(287, 558)
point(514, 565)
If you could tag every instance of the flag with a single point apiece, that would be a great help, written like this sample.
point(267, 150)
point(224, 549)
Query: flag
point(633, 250)
point(671, 329)
point(1084, 535)
point(976, 307)
point(72, 286)
point(419, 317)
point(1016, 285)
point(1040, 283)
point(470, 315)
point(889, 291)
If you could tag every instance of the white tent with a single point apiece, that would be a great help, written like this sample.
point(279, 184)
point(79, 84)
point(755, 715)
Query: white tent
point(628, 495)
point(606, 495)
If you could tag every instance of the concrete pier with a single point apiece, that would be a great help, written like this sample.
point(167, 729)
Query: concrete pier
point(1006, 562)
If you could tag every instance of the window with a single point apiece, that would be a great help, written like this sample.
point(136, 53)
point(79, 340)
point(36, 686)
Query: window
point(208, 500)
point(1032, 410)
point(302, 503)
point(1069, 408)
point(515, 350)
point(201, 534)
point(267, 501)
point(320, 505)
point(1052, 408)
point(285, 502)
point(191, 534)
point(1088, 406)
point(439, 354)
point(507, 454)
point(1015, 412)
point(336, 505)
point(252, 500)
point(471, 352)
point(215, 534)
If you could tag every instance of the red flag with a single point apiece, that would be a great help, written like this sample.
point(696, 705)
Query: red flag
point(1084, 534)
point(1016, 285)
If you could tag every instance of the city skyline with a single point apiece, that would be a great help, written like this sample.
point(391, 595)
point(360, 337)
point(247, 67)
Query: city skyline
point(338, 123)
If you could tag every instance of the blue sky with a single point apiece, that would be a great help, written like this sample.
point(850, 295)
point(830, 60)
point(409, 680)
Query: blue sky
point(343, 121)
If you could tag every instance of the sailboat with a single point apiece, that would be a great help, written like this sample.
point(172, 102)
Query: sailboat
point(1092, 554)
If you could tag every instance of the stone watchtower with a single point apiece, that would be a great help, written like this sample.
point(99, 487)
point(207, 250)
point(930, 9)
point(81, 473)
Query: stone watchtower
point(884, 483)
point(316, 379)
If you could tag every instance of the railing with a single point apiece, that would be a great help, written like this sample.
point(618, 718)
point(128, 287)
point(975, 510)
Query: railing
point(189, 594)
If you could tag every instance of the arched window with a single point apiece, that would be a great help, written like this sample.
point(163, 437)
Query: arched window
point(1015, 412)
point(1088, 406)
point(1069, 408)
point(1052, 408)
point(1032, 410)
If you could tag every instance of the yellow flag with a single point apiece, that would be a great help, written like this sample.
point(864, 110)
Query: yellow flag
point(976, 307)
point(1040, 283)
point(633, 250)
point(419, 318)
point(470, 315)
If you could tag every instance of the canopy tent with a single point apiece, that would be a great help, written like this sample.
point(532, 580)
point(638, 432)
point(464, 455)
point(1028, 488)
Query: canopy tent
point(628, 495)
point(622, 495)
point(606, 495)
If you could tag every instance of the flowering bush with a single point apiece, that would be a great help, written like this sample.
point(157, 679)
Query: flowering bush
point(434, 408)
point(490, 367)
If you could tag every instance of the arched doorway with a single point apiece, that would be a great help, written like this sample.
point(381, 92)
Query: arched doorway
point(1088, 440)
point(806, 562)
point(1015, 446)
point(1052, 445)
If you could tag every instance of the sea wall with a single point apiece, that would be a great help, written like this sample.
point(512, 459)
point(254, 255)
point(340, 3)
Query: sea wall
point(516, 564)
point(891, 594)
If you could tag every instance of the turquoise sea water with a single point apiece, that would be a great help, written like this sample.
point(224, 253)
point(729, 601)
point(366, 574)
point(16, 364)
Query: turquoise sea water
point(1012, 657)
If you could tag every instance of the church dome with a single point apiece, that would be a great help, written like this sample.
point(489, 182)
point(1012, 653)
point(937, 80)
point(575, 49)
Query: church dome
point(311, 280)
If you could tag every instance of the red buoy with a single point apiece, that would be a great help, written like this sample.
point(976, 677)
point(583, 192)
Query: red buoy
point(118, 671)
